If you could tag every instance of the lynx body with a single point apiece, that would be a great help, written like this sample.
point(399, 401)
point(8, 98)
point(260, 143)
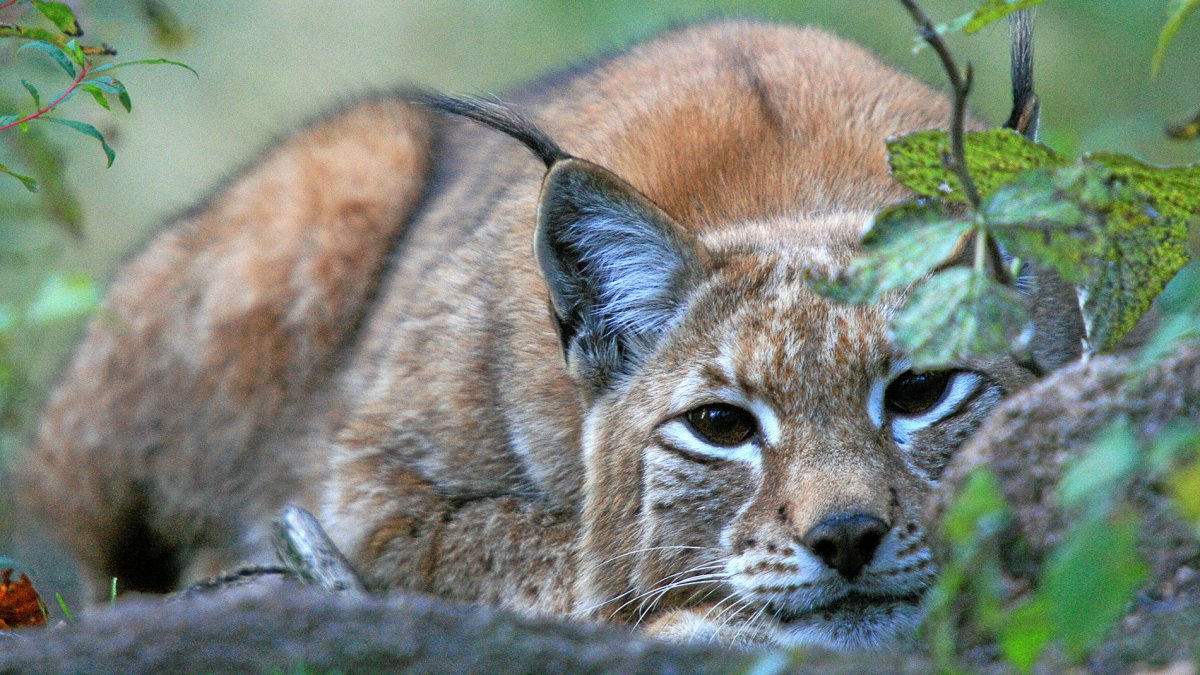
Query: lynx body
point(605, 390)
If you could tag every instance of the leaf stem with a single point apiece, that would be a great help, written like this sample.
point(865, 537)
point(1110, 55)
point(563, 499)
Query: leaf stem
point(79, 78)
point(8, 3)
point(956, 160)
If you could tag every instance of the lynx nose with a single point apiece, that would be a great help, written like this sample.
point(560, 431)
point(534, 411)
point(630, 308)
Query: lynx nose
point(846, 542)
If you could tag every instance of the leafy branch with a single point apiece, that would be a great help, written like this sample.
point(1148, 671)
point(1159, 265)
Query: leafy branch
point(78, 62)
point(1110, 225)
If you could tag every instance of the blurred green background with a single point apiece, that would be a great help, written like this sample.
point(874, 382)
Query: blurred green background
point(266, 65)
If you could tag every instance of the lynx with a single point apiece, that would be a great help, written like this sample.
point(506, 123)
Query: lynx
point(647, 418)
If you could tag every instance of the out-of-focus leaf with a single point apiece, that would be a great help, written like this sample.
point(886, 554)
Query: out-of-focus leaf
point(45, 160)
point(60, 57)
point(1101, 473)
point(63, 297)
point(166, 28)
point(61, 15)
point(113, 66)
point(1026, 632)
point(33, 93)
point(29, 182)
point(904, 243)
point(8, 321)
point(960, 313)
point(979, 507)
point(1090, 579)
point(1184, 485)
point(994, 158)
point(1180, 11)
point(86, 129)
point(994, 10)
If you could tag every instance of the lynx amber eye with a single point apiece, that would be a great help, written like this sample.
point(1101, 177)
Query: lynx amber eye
point(722, 424)
point(915, 393)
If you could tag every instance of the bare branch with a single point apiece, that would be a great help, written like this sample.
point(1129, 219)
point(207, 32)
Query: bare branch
point(956, 161)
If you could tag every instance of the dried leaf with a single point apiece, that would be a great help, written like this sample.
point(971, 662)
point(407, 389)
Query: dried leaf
point(20, 604)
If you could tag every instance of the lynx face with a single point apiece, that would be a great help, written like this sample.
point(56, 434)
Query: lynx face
point(758, 471)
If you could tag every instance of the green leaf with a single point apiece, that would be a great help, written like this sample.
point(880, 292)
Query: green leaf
point(979, 506)
point(74, 51)
point(1053, 216)
point(114, 66)
point(63, 297)
point(904, 244)
point(60, 15)
point(1180, 11)
point(994, 10)
point(29, 182)
point(28, 32)
point(1173, 191)
point(110, 85)
point(60, 57)
point(1141, 254)
point(1090, 579)
point(97, 95)
point(87, 129)
point(1184, 487)
point(1100, 474)
point(994, 158)
point(1026, 632)
point(958, 314)
point(33, 92)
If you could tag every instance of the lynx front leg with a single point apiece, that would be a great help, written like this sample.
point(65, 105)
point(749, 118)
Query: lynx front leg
point(401, 532)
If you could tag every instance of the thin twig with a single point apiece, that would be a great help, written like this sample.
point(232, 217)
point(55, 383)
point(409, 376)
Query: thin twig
point(84, 70)
point(956, 160)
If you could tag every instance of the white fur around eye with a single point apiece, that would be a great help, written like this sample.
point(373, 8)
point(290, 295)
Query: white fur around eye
point(680, 435)
point(962, 385)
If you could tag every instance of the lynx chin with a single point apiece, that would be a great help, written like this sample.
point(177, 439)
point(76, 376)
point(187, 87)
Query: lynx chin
point(589, 381)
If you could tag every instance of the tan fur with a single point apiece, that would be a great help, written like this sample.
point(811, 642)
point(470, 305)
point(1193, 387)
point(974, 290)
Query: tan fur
point(464, 458)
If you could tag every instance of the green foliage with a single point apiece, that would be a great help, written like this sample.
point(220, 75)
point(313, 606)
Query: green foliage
point(1179, 12)
point(903, 245)
point(1115, 227)
point(77, 62)
point(994, 158)
point(58, 299)
point(959, 313)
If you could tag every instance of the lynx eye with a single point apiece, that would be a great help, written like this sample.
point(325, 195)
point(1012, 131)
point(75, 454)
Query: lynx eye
point(722, 424)
point(916, 393)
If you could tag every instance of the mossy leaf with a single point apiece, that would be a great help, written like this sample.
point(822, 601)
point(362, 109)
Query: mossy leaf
point(994, 158)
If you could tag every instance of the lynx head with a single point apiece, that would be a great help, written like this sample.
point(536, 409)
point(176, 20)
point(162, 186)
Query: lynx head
point(756, 455)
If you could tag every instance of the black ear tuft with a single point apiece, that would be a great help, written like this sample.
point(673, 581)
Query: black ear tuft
point(1026, 109)
point(496, 114)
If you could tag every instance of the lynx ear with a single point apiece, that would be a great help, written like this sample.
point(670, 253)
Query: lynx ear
point(617, 267)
